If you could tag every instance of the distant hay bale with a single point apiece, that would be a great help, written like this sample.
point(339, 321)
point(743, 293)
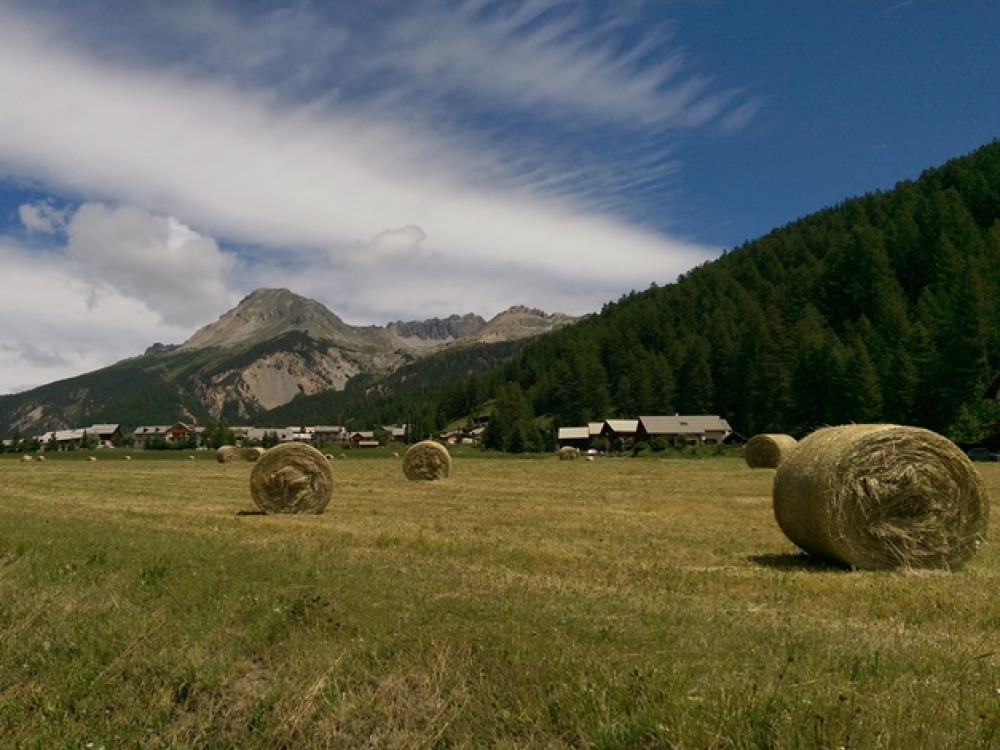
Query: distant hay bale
point(227, 454)
point(253, 454)
point(766, 451)
point(41, 458)
point(328, 456)
point(128, 458)
point(26, 458)
point(292, 478)
point(590, 458)
point(92, 458)
point(395, 454)
point(881, 496)
point(427, 460)
point(190, 458)
point(568, 453)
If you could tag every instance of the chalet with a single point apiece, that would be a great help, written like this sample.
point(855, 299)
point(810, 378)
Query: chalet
point(173, 434)
point(691, 430)
point(98, 435)
point(577, 437)
point(108, 435)
point(363, 439)
point(473, 436)
point(60, 440)
point(620, 433)
point(397, 432)
point(329, 434)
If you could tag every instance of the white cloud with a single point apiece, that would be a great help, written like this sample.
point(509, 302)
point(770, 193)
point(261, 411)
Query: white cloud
point(323, 157)
point(239, 168)
point(170, 268)
point(42, 218)
point(58, 326)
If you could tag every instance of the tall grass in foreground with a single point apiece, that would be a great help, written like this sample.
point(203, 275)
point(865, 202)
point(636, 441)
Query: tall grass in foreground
point(520, 604)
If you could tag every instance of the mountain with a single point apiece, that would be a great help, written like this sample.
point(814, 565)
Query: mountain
point(273, 347)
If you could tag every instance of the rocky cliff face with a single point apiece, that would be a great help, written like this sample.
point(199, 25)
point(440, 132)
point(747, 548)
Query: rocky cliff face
point(438, 330)
point(335, 352)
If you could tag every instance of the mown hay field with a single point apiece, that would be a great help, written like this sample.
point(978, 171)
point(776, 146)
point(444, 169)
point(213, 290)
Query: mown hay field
point(518, 604)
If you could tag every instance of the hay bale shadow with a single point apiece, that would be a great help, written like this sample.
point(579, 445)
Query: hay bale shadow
point(797, 561)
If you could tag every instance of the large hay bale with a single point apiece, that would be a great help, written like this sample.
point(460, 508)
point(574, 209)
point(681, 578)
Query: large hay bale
point(881, 496)
point(428, 460)
point(292, 478)
point(568, 453)
point(766, 451)
point(253, 454)
point(26, 458)
point(227, 454)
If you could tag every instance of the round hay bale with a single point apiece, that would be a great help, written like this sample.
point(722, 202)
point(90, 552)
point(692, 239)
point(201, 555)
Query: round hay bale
point(40, 457)
point(190, 458)
point(766, 451)
point(292, 478)
point(568, 453)
point(227, 454)
point(427, 460)
point(253, 454)
point(880, 496)
point(128, 458)
point(92, 458)
point(26, 458)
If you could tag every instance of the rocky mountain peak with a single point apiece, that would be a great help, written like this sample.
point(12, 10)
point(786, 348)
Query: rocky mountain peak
point(266, 313)
point(439, 329)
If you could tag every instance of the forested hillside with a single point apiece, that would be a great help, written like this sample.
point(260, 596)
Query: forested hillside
point(883, 308)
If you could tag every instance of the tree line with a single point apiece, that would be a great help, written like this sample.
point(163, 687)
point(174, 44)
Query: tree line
point(885, 308)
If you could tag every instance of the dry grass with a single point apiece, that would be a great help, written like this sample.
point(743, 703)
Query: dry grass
point(523, 604)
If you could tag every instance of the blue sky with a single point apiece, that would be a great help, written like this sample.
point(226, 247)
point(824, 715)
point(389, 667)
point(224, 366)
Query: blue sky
point(159, 161)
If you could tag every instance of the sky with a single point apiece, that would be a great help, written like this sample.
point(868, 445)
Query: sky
point(403, 161)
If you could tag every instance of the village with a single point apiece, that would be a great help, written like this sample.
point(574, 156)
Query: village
point(609, 435)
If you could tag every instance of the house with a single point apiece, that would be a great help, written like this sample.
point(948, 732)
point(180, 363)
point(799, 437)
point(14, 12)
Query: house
point(108, 435)
point(703, 429)
point(173, 434)
point(329, 434)
point(60, 440)
point(473, 436)
point(397, 432)
point(620, 433)
point(578, 437)
point(95, 436)
point(363, 439)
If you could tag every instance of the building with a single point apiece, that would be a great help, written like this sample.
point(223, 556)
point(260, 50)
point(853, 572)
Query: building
point(702, 429)
point(620, 433)
point(577, 437)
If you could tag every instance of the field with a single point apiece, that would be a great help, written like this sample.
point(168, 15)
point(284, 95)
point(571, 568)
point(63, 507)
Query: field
point(521, 604)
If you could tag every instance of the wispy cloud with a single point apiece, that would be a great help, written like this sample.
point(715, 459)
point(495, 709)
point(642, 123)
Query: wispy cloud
point(390, 160)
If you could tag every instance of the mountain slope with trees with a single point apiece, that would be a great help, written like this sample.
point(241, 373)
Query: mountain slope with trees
point(883, 308)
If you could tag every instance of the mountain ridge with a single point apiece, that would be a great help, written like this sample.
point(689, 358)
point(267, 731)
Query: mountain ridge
point(271, 348)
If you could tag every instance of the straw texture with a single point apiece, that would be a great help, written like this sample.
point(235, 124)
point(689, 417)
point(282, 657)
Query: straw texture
point(881, 496)
point(292, 478)
point(766, 451)
point(427, 460)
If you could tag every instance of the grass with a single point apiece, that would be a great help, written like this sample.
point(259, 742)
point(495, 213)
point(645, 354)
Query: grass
point(520, 604)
